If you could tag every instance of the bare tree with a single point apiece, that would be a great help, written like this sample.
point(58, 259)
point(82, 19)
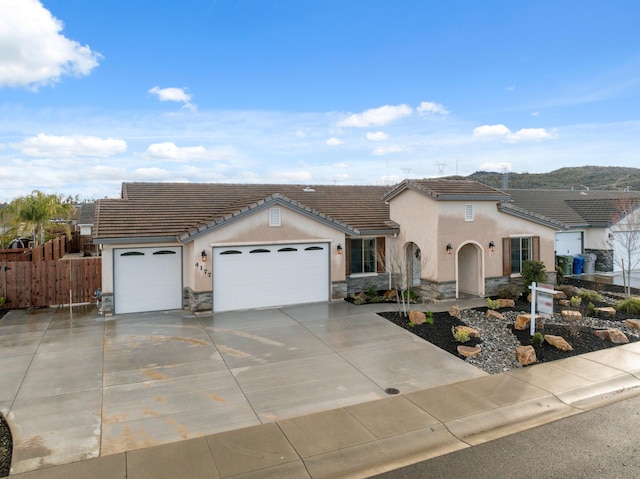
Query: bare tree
point(400, 263)
point(625, 237)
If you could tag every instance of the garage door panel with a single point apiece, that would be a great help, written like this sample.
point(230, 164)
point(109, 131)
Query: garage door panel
point(270, 276)
point(147, 279)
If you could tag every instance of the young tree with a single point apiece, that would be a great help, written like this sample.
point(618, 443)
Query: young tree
point(400, 264)
point(34, 211)
point(625, 238)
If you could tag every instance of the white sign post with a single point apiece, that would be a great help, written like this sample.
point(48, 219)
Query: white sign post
point(542, 298)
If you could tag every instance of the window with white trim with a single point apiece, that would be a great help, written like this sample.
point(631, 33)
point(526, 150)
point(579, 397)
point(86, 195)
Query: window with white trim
point(275, 217)
point(521, 251)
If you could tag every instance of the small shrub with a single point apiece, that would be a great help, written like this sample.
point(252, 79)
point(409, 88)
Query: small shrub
point(576, 301)
point(493, 303)
point(537, 339)
point(533, 271)
point(460, 335)
point(559, 275)
point(429, 317)
point(590, 295)
point(411, 324)
point(630, 305)
point(372, 292)
point(359, 300)
point(509, 291)
point(2, 300)
point(412, 295)
point(591, 309)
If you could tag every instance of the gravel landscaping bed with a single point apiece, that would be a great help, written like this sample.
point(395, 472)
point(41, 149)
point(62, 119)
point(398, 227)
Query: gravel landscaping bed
point(498, 338)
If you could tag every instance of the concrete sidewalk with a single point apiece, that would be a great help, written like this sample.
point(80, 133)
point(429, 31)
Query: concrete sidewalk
point(370, 438)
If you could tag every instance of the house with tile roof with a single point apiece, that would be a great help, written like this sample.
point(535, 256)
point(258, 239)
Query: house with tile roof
point(226, 247)
point(591, 219)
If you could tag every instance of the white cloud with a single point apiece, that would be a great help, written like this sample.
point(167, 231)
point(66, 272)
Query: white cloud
point(340, 165)
point(495, 167)
point(491, 130)
point(171, 152)
point(174, 94)
point(522, 135)
point(50, 146)
point(334, 141)
point(531, 134)
point(428, 107)
point(152, 174)
point(535, 113)
point(34, 53)
point(385, 150)
point(377, 136)
point(376, 116)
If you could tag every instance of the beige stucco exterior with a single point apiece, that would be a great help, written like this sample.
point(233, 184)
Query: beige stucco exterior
point(432, 225)
point(251, 229)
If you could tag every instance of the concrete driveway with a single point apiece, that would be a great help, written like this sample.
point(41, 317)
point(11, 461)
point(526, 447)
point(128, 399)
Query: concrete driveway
point(75, 385)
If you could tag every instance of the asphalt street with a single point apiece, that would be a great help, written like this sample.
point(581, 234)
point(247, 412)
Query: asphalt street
point(604, 442)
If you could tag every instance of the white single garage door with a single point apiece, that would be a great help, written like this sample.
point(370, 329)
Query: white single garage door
point(147, 279)
point(247, 277)
point(569, 243)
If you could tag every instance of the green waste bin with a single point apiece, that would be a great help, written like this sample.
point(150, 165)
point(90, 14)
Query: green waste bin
point(566, 264)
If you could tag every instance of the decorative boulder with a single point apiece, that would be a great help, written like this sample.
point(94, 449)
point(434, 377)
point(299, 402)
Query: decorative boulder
point(494, 314)
point(417, 317)
point(571, 315)
point(565, 303)
point(614, 335)
point(632, 323)
point(522, 321)
point(454, 311)
point(560, 295)
point(558, 342)
point(390, 294)
point(506, 303)
point(606, 312)
point(469, 351)
point(473, 333)
point(526, 355)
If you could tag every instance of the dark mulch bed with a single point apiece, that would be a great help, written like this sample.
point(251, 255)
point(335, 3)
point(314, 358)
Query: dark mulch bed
point(6, 444)
point(581, 338)
point(6, 447)
point(439, 333)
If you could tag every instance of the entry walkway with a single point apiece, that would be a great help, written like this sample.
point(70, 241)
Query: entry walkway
point(75, 386)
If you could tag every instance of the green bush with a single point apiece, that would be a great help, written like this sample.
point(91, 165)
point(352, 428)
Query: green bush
point(533, 271)
point(576, 301)
point(509, 291)
point(537, 339)
point(493, 303)
point(2, 300)
point(429, 317)
point(591, 309)
point(559, 275)
point(630, 305)
point(460, 335)
point(590, 295)
point(372, 292)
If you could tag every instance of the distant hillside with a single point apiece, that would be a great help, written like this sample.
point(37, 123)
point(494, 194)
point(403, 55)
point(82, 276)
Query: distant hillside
point(592, 177)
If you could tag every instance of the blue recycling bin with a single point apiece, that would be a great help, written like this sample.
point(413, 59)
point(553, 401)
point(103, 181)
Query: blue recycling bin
point(578, 263)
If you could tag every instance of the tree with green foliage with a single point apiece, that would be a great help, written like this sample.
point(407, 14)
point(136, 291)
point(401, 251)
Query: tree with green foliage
point(32, 213)
point(533, 271)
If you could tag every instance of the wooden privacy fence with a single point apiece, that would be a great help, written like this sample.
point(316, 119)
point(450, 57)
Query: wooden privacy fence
point(47, 283)
point(51, 250)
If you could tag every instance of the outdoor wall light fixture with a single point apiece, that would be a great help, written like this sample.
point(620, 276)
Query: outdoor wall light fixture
point(449, 248)
point(339, 248)
point(492, 246)
point(204, 256)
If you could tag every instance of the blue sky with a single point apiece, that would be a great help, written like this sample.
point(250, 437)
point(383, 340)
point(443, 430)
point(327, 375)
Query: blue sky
point(360, 92)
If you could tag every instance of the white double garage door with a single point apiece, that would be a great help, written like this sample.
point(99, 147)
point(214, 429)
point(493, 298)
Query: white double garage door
point(244, 277)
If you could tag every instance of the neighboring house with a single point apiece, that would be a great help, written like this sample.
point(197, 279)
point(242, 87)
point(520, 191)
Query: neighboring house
point(238, 246)
point(590, 216)
point(85, 220)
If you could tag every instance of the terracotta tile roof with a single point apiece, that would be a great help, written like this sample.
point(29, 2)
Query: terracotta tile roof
point(165, 210)
point(584, 208)
point(449, 190)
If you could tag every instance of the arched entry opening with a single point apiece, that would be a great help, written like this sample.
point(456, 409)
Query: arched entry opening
point(470, 270)
point(414, 264)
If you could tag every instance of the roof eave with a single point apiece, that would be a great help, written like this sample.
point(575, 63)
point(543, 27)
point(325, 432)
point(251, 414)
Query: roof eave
point(135, 240)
